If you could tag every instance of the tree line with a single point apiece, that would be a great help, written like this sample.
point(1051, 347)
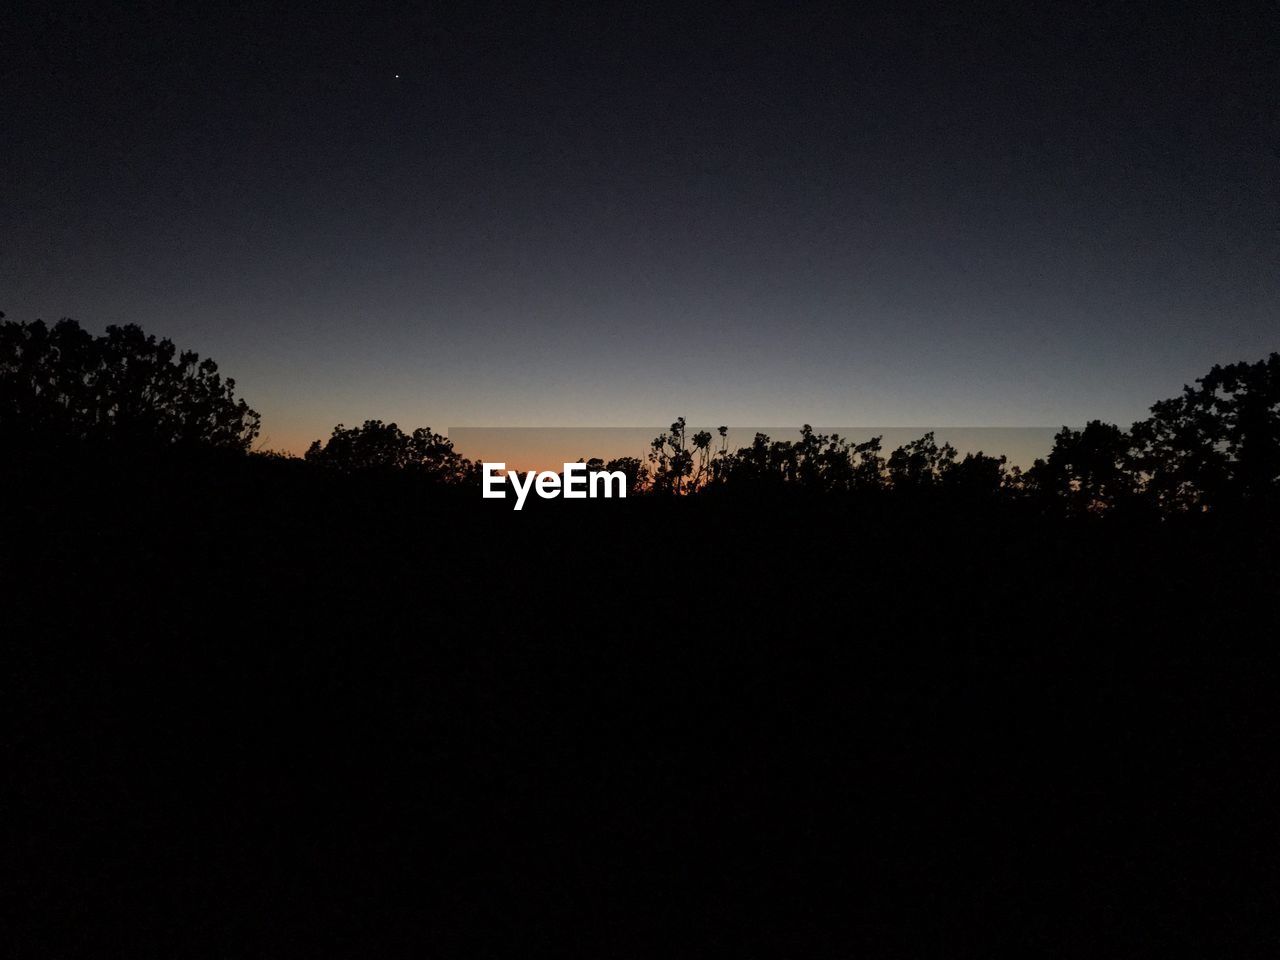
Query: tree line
point(1213, 448)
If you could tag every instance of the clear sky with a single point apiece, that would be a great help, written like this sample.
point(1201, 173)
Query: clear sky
point(513, 215)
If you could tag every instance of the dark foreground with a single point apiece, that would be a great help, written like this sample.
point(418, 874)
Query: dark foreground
point(256, 714)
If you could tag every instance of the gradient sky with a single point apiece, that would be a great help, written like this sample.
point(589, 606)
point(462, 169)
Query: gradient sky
point(954, 214)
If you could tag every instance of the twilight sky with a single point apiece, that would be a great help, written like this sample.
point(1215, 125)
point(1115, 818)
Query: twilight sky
point(471, 214)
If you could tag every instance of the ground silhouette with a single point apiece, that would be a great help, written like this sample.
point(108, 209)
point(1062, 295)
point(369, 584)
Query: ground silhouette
point(806, 698)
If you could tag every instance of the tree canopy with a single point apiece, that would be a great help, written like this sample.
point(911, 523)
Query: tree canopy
point(380, 447)
point(1213, 448)
point(62, 386)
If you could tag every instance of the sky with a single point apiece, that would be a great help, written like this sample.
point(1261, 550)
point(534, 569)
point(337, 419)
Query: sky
point(527, 215)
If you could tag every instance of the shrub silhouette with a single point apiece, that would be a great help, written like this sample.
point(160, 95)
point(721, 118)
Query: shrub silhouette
point(682, 464)
point(817, 462)
point(632, 468)
point(378, 447)
point(1214, 447)
point(61, 386)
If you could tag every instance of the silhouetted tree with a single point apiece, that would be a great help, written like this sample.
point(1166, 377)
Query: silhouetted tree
point(976, 477)
point(1216, 446)
point(1087, 471)
point(762, 465)
point(631, 467)
point(822, 462)
point(383, 447)
point(1218, 443)
point(817, 462)
point(919, 464)
point(681, 464)
point(61, 386)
